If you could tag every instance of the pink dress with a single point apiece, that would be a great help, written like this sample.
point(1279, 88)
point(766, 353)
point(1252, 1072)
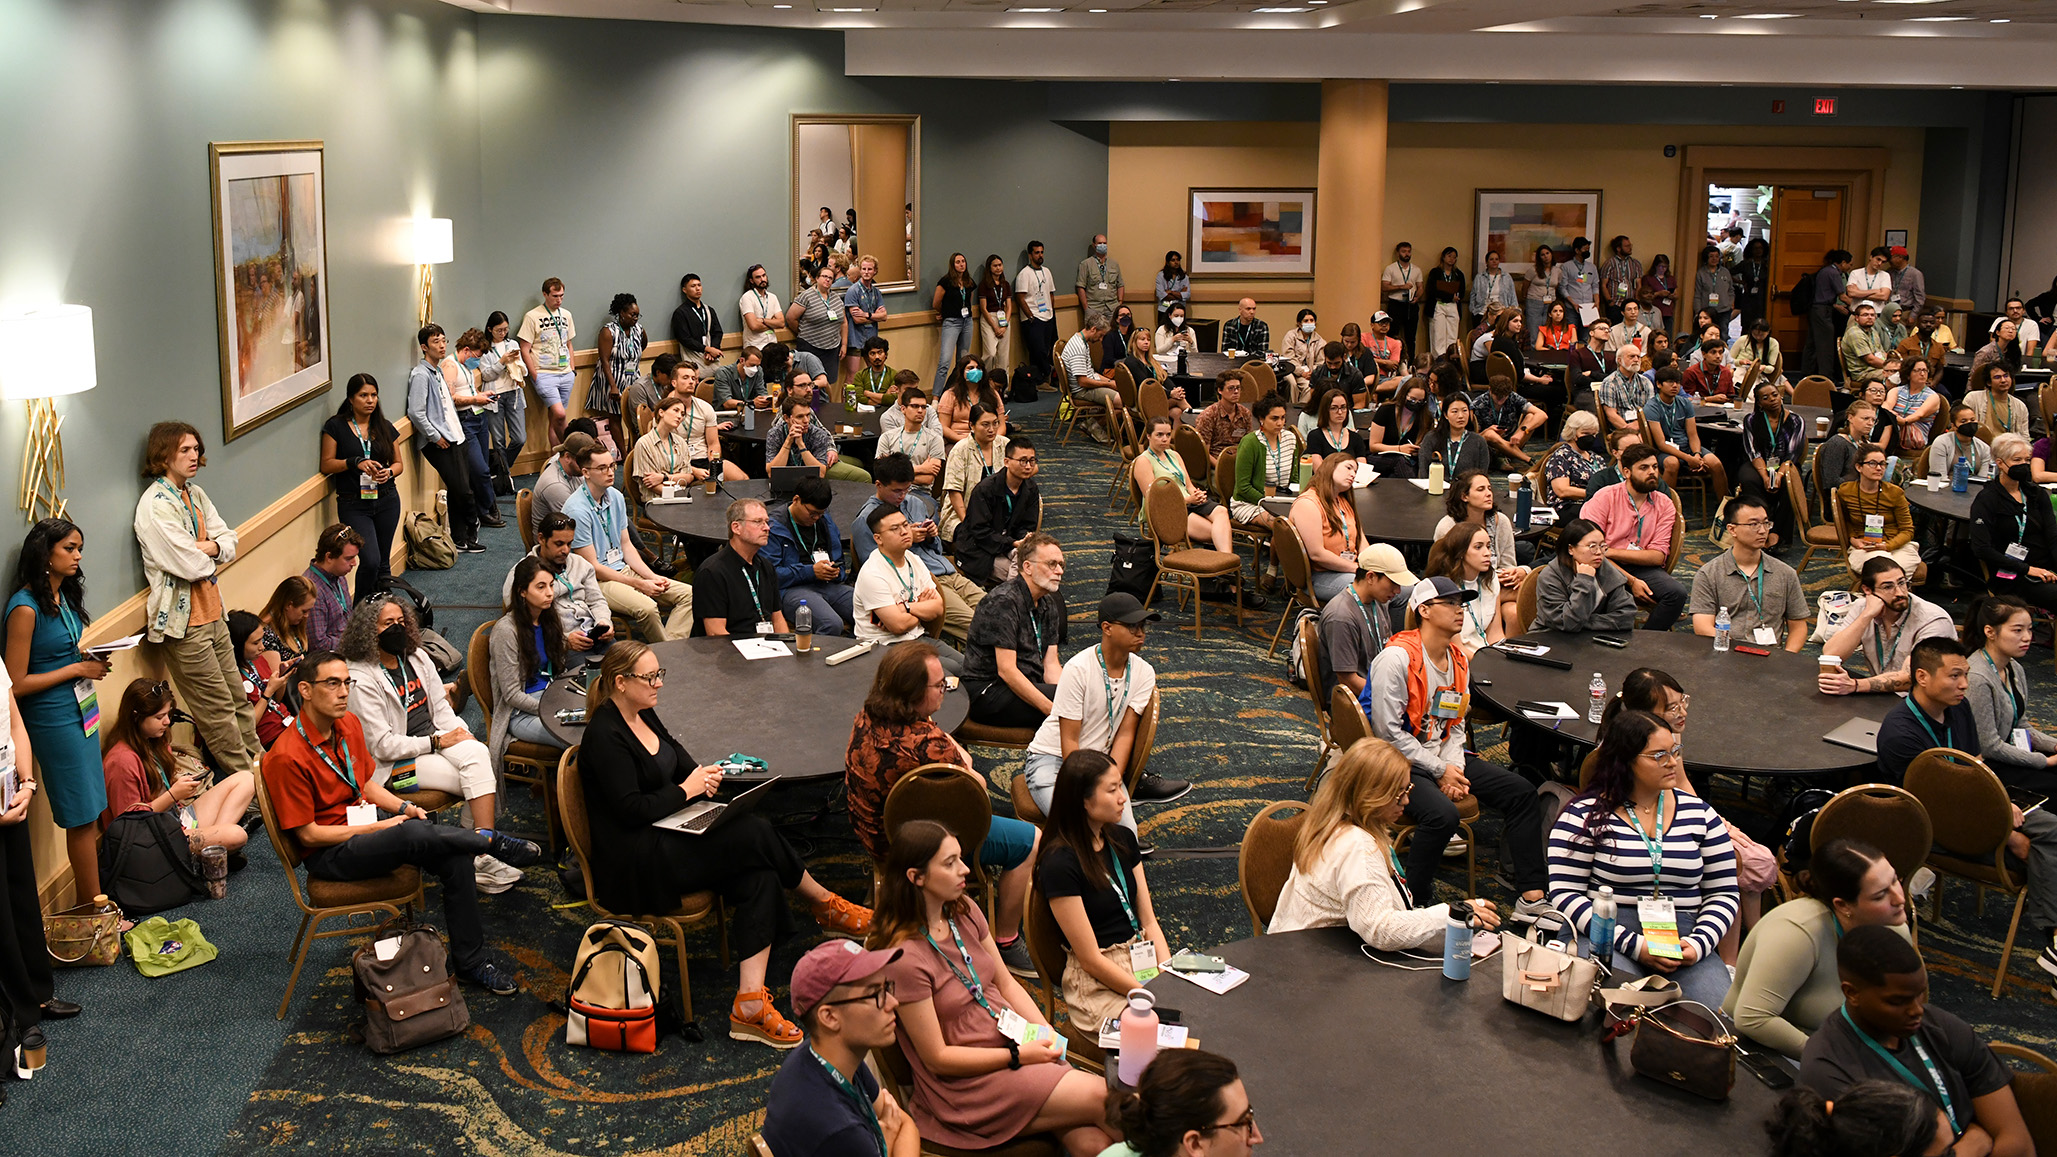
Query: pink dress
point(967, 1112)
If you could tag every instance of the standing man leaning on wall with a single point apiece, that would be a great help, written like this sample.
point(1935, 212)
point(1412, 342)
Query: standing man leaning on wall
point(1098, 284)
point(545, 338)
point(1035, 292)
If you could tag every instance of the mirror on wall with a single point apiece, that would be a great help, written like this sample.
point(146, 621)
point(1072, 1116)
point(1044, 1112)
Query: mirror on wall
point(856, 183)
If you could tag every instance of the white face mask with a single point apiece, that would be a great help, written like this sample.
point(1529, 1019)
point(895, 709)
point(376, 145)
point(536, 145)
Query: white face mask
point(1306, 327)
point(1178, 321)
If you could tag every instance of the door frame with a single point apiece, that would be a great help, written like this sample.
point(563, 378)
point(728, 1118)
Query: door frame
point(1860, 171)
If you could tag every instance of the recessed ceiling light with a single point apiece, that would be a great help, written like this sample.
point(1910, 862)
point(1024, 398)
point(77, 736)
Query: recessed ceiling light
point(782, 6)
point(1909, 1)
point(1035, 10)
point(1767, 16)
point(1938, 19)
point(1999, 22)
point(1278, 11)
point(849, 9)
point(1709, 16)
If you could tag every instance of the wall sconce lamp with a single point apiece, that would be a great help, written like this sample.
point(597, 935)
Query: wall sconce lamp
point(45, 353)
point(432, 247)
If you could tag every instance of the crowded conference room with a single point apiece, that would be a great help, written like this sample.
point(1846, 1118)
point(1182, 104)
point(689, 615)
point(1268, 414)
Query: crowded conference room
point(788, 580)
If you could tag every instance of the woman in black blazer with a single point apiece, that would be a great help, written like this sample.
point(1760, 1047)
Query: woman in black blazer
point(634, 774)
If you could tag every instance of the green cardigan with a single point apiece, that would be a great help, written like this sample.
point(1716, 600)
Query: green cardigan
point(1250, 464)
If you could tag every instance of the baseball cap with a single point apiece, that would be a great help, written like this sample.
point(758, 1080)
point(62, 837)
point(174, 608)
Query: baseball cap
point(1122, 607)
point(1436, 588)
point(1381, 316)
point(830, 963)
point(574, 443)
point(1899, 251)
point(1384, 558)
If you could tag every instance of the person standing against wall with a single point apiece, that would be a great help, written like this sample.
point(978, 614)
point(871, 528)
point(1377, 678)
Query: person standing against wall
point(460, 377)
point(545, 338)
point(1621, 278)
point(434, 414)
point(695, 326)
point(1098, 284)
point(1035, 292)
point(866, 308)
point(956, 293)
point(820, 322)
point(1446, 297)
point(1401, 283)
point(360, 456)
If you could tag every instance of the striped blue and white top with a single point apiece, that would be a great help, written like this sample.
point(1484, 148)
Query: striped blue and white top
point(1699, 870)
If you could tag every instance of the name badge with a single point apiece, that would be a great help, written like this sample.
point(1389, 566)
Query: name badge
point(615, 560)
point(1763, 636)
point(963, 311)
point(764, 628)
point(1660, 927)
point(360, 814)
point(821, 556)
point(2017, 551)
point(367, 487)
point(1449, 703)
point(1142, 960)
point(1713, 298)
point(2019, 738)
point(1874, 525)
point(1622, 289)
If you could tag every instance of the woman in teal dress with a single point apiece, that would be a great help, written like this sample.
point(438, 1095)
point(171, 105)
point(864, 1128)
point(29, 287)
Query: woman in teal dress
point(45, 620)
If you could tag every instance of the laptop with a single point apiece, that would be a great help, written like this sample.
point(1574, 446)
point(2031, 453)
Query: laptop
point(785, 479)
point(1857, 734)
point(704, 815)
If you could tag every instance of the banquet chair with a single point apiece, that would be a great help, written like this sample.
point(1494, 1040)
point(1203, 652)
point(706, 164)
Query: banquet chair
point(758, 1148)
point(1525, 598)
point(1180, 564)
point(2035, 1092)
point(944, 793)
point(1264, 860)
point(1973, 817)
point(1888, 818)
point(1193, 454)
point(1154, 402)
point(1080, 408)
point(1296, 575)
point(1814, 390)
point(1124, 385)
point(1046, 950)
point(895, 1072)
point(530, 763)
point(524, 516)
point(1263, 379)
point(1145, 739)
point(1310, 662)
point(1814, 535)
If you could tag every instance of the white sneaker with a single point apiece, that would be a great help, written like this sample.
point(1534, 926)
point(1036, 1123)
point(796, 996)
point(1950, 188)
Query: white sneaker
point(494, 876)
point(1919, 888)
point(1455, 849)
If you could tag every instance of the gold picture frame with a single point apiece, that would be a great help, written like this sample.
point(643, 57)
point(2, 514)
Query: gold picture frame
point(270, 223)
point(800, 215)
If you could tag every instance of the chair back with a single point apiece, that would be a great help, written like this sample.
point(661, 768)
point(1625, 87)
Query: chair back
point(1154, 402)
point(1346, 721)
point(283, 844)
point(1165, 507)
point(1525, 597)
point(524, 516)
point(1264, 861)
point(1193, 449)
point(1124, 384)
point(1967, 805)
point(705, 390)
point(478, 667)
point(758, 1148)
point(1146, 738)
point(1293, 563)
point(1224, 480)
point(2035, 1093)
point(1835, 518)
point(1046, 944)
point(1888, 818)
point(1796, 496)
point(1814, 390)
point(943, 793)
point(1310, 661)
point(1499, 365)
point(1678, 534)
point(1263, 380)
point(2046, 402)
point(1060, 376)
point(571, 812)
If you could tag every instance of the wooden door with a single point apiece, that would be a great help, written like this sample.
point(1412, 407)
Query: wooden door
point(1806, 222)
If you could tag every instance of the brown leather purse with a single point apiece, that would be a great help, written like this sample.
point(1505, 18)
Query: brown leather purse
point(1687, 1045)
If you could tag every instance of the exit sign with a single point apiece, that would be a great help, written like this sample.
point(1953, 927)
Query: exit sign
point(1824, 106)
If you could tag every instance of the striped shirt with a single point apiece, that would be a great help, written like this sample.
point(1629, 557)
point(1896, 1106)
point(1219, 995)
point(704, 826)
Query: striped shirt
point(821, 320)
point(1699, 870)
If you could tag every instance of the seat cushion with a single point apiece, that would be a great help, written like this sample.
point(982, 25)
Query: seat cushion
point(1467, 809)
point(1025, 808)
point(1199, 561)
point(971, 731)
point(1822, 536)
point(429, 799)
point(535, 753)
point(396, 885)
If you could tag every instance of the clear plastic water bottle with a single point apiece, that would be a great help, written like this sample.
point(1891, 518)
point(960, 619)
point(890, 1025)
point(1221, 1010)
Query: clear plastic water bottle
point(1721, 630)
point(1457, 943)
point(803, 628)
point(1960, 475)
point(1598, 706)
point(1601, 931)
point(1892, 467)
point(1138, 1036)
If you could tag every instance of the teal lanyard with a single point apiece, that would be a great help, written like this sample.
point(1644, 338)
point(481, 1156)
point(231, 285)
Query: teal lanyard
point(1456, 449)
point(1470, 608)
point(1921, 717)
point(842, 1083)
point(1121, 892)
point(1638, 543)
point(1036, 623)
point(1400, 877)
point(1756, 597)
point(1114, 705)
point(906, 581)
point(968, 976)
point(189, 509)
point(1655, 845)
point(1886, 651)
point(1161, 460)
point(750, 584)
point(812, 542)
point(1942, 1090)
point(604, 511)
point(1378, 637)
point(72, 626)
point(345, 772)
point(2012, 695)
point(337, 588)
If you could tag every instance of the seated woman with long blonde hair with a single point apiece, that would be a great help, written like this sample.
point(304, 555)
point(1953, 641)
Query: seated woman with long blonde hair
point(1345, 870)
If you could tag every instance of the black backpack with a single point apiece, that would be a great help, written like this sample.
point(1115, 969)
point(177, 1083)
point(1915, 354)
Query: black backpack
point(1800, 298)
point(1134, 567)
point(146, 865)
point(1023, 389)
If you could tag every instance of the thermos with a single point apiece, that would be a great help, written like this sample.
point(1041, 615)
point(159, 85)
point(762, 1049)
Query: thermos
point(1139, 1034)
point(1601, 931)
point(749, 416)
point(1457, 943)
point(1517, 485)
point(1435, 478)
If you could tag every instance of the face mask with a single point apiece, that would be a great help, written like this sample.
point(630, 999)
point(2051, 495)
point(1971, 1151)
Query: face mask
point(1590, 443)
point(1178, 321)
point(393, 640)
point(1099, 251)
point(1417, 404)
point(974, 375)
point(1306, 327)
point(1967, 430)
point(2019, 472)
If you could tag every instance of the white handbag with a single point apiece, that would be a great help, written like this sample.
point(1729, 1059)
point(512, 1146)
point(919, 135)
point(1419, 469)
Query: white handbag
point(1553, 981)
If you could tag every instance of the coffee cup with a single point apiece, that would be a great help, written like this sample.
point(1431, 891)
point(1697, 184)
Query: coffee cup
point(1821, 425)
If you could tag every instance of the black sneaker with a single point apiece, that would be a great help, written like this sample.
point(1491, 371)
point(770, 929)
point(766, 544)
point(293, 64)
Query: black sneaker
point(513, 850)
point(471, 547)
point(2048, 959)
point(490, 976)
point(1154, 788)
point(1016, 957)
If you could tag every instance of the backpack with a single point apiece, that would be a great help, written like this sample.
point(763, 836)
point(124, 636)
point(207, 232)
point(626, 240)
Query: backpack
point(1133, 569)
point(409, 997)
point(442, 653)
point(1800, 298)
point(612, 1000)
point(1021, 389)
point(1297, 671)
point(146, 864)
point(429, 545)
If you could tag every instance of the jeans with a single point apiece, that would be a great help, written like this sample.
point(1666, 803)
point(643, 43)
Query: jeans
point(474, 447)
point(529, 729)
point(1330, 583)
point(1665, 591)
point(1435, 817)
point(377, 522)
point(1041, 772)
point(1705, 980)
point(453, 467)
point(509, 426)
point(956, 341)
point(444, 852)
point(830, 604)
point(1406, 320)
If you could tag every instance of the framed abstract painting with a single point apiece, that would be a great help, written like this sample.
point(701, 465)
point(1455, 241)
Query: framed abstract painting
point(270, 278)
point(1250, 232)
point(1512, 222)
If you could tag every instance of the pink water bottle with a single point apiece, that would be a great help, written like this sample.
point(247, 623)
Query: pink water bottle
point(1138, 1036)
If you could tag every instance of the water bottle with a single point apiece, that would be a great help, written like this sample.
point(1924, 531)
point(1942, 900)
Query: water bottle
point(1517, 484)
point(1457, 943)
point(1599, 697)
point(803, 629)
point(1892, 467)
point(1601, 932)
point(1181, 360)
point(749, 416)
point(1138, 1036)
point(1721, 630)
point(1960, 476)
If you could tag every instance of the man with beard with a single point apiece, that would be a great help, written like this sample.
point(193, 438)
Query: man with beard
point(1887, 625)
point(1637, 516)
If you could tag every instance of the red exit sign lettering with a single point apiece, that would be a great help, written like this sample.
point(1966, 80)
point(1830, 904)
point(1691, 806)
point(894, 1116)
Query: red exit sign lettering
point(1824, 106)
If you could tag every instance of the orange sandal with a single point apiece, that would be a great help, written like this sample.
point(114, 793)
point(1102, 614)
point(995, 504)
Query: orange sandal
point(842, 917)
point(767, 1027)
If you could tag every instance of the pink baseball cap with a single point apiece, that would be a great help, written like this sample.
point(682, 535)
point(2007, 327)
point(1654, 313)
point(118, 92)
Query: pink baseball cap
point(830, 963)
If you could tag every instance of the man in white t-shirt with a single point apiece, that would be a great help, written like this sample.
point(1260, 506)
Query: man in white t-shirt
point(1873, 283)
point(1035, 292)
point(1401, 282)
point(1101, 696)
point(2025, 328)
point(897, 599)
point(545, 338)
point(760, 309)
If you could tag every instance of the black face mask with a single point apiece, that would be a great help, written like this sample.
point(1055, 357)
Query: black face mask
point(1967, 430)
point(1417, 404)
point(2019, 472)
point(1590, 443)
point(393, 640)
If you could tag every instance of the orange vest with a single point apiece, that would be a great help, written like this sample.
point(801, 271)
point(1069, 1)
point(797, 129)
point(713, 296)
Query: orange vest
point(1425, 726)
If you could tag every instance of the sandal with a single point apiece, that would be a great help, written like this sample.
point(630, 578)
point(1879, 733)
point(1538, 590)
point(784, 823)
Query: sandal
point(767, 1027)
point(842, 917)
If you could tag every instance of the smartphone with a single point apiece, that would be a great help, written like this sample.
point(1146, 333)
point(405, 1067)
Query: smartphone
point(1747, 649)
point(572, 715)
point(1482, 682)
point(1766, 1069)
point(1198, 962)
point(1610, 641)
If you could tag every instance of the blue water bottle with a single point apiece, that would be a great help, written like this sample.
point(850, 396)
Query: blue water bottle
point(1601, 930)
point(1523, 500)
point(1457, 943)
point(1960, 475)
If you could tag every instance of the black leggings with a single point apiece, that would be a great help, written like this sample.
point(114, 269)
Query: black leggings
point(451, 465)
point(751, 865)
point(25, 981)
point(996, 705)
point(377, 521)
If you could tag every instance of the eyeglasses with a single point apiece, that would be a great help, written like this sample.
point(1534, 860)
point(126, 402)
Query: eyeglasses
point(756, 522)
point(336, 684)
point(1753, 524)
point(1024, 463)
point(1870, 462)
point(652, 679)
point(1668, 755)
point(876, 996)
point(940, 685)
point(1245, 1123)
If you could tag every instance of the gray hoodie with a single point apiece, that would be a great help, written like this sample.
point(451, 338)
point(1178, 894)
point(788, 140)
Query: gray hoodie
point(1569, 601)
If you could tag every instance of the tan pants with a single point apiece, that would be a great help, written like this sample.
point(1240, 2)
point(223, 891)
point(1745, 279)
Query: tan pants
point(960, 597)
point(641, 612)
point(203, 664)
point(993, 347)
point(1090, 1001)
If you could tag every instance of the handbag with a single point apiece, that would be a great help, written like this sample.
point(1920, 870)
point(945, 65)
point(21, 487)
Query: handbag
point(1553, 981)
point(1686, 1045)
point(160, 947)
point(410, 999)
point(1621, 1004)
point(1834, 612)
point(86, 936)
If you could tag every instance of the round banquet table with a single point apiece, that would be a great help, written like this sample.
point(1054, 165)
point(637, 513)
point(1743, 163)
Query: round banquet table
point(1395, 510)
point(1385, 1061)
point(1945, 501)
point(1751, 715)
point(794, 714)
point(1727, 422)
point(706, 516)
point(856, 435)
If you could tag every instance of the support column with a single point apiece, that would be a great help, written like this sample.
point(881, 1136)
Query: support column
point(1350, 202)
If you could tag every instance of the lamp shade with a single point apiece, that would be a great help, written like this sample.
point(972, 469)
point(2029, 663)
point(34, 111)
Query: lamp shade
point(432, 244)
point(47, 353)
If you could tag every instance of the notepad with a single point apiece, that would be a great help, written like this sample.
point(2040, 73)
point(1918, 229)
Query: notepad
point(762, 648)
point(1217, 983)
